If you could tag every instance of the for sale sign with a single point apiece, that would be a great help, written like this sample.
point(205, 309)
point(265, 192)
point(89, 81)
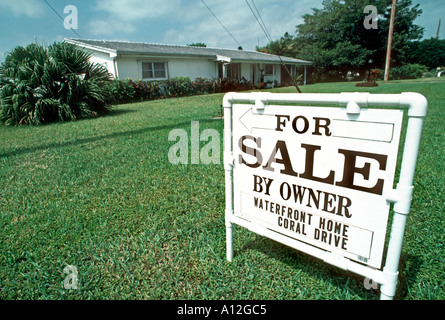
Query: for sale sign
point(317, 174)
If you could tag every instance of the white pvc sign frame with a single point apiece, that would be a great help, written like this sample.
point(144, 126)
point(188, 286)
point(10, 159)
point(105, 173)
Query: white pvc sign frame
point(320, 179)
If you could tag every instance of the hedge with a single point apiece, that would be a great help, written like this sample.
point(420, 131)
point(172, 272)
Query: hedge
point(126, 91)
point(407, 71)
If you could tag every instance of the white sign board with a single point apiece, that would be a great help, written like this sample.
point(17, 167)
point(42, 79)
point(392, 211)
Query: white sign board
point(322, 177)
point(317, 175)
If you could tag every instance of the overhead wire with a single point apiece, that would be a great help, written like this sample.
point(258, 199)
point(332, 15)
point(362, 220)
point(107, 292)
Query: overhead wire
point(227, 30)
point(258, 18)
point(239, 45)
point(266, 32)
point(55, 11)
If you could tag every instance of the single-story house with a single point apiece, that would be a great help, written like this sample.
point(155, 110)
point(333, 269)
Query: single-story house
point(147, 61)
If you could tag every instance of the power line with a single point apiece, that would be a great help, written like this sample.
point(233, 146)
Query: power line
point(55, 11)
point(239, 45)
point(263, 27)
point(262, 24)
point(266, 32)
point(256, 9)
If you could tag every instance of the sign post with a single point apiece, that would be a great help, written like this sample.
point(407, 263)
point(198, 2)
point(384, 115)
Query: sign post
point(321, 179)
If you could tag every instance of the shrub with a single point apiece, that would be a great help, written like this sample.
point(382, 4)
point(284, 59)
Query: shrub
point(407, 71)
point(227, 84)
point(328, 76)
point(40, 85)
point(121, 91)
point(147, 90)
point(178, 87)
point(125, 91)
point(203, 86)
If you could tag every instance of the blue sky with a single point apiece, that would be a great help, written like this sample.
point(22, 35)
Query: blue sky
point(168, 21)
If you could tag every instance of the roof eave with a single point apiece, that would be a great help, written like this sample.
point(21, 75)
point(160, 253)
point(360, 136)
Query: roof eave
point(84, 45)
point(296, 62)
point(154, 54)
point(213, 55)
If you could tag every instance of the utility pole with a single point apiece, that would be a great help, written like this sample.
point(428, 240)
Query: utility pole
point(388, 50)
point(438, 29)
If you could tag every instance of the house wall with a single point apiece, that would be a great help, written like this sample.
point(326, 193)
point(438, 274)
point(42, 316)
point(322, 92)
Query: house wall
point(245, 71)
point(128, 68)
point(192, 68)
point(277, 75)
point(104, 59)
point(131, 68)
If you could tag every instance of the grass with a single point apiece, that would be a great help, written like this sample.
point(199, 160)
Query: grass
point(101, 195)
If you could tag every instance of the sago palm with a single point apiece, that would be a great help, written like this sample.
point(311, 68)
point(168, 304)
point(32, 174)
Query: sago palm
point(40, 85)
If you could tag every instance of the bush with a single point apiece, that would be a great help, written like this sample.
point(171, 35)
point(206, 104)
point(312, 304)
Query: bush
point(121, 91)
point(126, 91)
point(407, 71)
point(145, 90)
point(203, 86)
point(328, 76)
point(178, 87)
point(227, 85)
point(40, 85)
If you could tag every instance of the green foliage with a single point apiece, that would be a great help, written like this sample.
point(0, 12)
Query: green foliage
point(428, 52)
point(40, 85)
point(178, 87)
point(227, 84)
point(335, 39)
point(285, 46)
point(203, 86)
point(198, 44)
point(408, 71)
point(124, 91)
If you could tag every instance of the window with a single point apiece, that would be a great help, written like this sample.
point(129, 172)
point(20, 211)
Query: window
point(154, 70)
point(269, 69)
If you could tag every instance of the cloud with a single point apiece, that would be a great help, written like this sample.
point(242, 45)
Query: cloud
point(124, 15)
point(131, 10)
point(199, 25)
point(109, 27)
point(185, 21)
point(28, 8)
point(279, 16)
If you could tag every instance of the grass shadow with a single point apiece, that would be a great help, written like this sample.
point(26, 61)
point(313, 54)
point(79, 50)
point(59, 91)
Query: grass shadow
point(312, 266)
point(118, 112)
point(409, 267)
point(81, 141)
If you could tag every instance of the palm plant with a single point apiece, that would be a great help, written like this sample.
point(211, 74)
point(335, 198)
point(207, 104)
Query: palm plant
point(40, 85)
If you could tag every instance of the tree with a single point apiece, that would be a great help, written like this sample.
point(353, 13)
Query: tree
point(285, 46)
point(41, 85)
point(428, 52)
point(334, 38)
point(197, 44)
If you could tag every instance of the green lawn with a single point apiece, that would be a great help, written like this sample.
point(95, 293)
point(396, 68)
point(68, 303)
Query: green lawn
point(102, 196)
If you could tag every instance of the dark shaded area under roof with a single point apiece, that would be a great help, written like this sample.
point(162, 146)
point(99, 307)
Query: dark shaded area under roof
point(124, 47)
